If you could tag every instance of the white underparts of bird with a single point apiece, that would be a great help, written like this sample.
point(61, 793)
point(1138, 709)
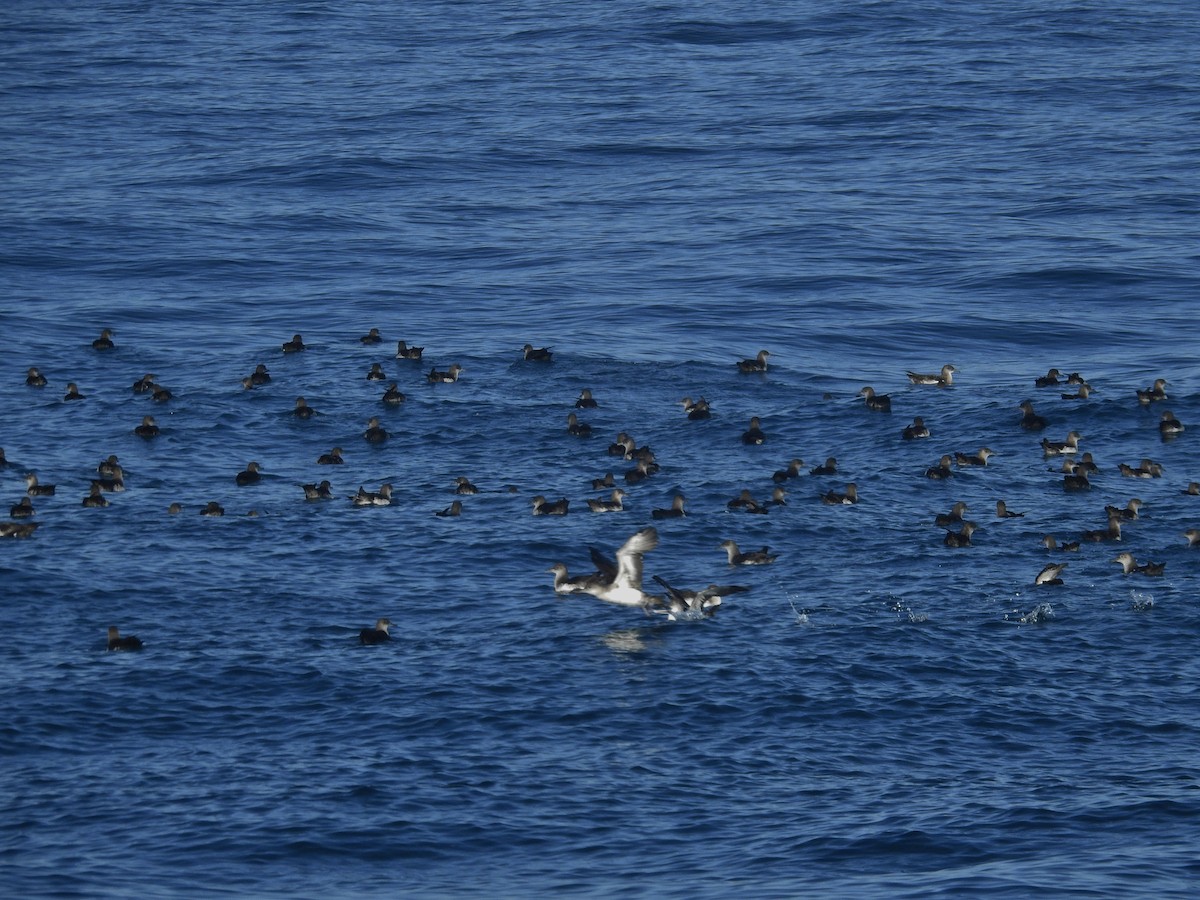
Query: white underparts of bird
point(622, 582)
point(1051, 574)
point(686, 603)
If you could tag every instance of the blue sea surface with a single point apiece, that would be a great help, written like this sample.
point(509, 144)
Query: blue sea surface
point(655, 191)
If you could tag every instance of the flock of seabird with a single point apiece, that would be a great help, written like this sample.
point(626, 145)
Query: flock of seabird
point(620, 581)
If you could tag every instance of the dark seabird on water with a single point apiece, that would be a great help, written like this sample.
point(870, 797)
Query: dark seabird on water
point(1129, 565)
point(449, 376)
point(295, 345)
point(260, 375)
point(1169, 426)
point(877, 402)
point(371, 337)
point(941, 470)
point(829, 467)
point(640, 472)
point(846, 498)
point(623, 579)
point(1076, 481)
point(105, 341)
point(381, 497)
point(161, 394)
point(1067, 546)
point(613, 504)
point(1058, 448)
point(916, 430)
point(454, 509)
point(73, 392)
point(1082, 393)
point(1193, 489)
point(403, 351)
point(792, 471)
point(1050, 379)
point(1003, 512)
point(148, 429)
point(1030, 420)
point(760, 557)
point(1129, 512)
point(953, 517)
point(34, 378)
point(95, 498)
point(758, 364)
point(322, 491)
point(118, 643)
point(1157, 391)
point(675, 511)
point(974, 459)
point(378, 634)
point(600, 484)
point(332, 458)
point(544, 507)
point(1112, 532)
point(34, 488)
point(145, 384)
point(537, 354)
point(961, 538)
point(375, 433)
point(1147, 468)
point(252, 474)
point(586, 401)
point(1193, 537)
point(1050, 574)
point(212, 508)
point(393, 396)
point(462, 485)
point(565, 584)
point(944, 378)
point(754, 435)
point(302, 410)
point(577, 428)
point(623, 446)
point(22, 509)
point(696, 410)
point(17, 530)
point(376, 373)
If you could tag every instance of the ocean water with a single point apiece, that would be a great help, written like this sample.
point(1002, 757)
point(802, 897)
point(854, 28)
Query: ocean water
point(655, 192)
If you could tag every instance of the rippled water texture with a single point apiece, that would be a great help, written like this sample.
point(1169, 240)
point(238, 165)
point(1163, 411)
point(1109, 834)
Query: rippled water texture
point(655, 192)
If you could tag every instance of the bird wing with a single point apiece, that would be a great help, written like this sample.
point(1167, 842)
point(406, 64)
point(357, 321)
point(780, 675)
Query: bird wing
point(629, 558)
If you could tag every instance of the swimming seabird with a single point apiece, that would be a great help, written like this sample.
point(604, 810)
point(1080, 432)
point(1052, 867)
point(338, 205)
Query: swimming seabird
point(1058, 448)
point(118, 643)
point(376, 373)
point(1193, 489)
point(17, 529)
point(640, 472)
point(829, 467)
point(1048, 380)
point(613, 504)
point(393, 396)
point(371, 337)
point(1157, 391)
point(945, 378)
point(916, 430)
point(302, 410)
point(974, 459)
point(792, 471)
point(35, 489)
point(378, 634)
point(540, 354)
point(447, 377)
point(565, 584)
point(1067, 546)
point(953, 517)
point(758, 364)
point(696, 410)
point(295, 345)
point(1086, 465)
point(960, 538)
point(744, 500)
point(322, 491)
point(624, 446)
point(941, 470)
point(110, 468)
point(105, 341)
point(212, 508)
point(1110, 533)
point(1076, 481)
point(462, 485)
point(249, 475)
point(600, 484)
point(760, 557)
point(22, 509)
point(586, 401)
point(833, 498)
point(1050, 574)
point(1030, 420)
point(375, 433)
point(332, 458)
point(73, 392)
point(1129, 565)
point(753, 435)
point(454, 509)
point(382, 497)
point(95, 497)
point(1129, 513)
point(674, 512)
point(1083, 393)
point(623, 579)
point(148, 428)
point(1003, 512)
point(161, 394)
point(544, 507)
point(1146, 469)
point(260, 375)
point(703, 602)
point(1193, 537)
point(1169, 426)
point(34, 378)
point(403, 351)
point(877, 402)
point(577, 428)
